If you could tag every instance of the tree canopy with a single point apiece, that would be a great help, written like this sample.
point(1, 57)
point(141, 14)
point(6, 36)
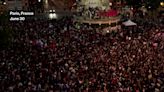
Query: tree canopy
point(152, 4)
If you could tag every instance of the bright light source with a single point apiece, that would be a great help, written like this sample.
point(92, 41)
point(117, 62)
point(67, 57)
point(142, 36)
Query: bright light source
point(46, 1)
point(110, 4)
point(52, 16)
point(53, 10)
point(162, 3)
point(4, 3)
point(50, 11)
point(39, 0)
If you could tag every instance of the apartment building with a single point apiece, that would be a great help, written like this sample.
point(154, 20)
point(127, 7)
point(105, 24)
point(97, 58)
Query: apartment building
point(3, 6)
point(17, 4)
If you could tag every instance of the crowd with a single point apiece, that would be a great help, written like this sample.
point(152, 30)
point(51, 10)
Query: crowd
point(53, 56)
point(91, 13)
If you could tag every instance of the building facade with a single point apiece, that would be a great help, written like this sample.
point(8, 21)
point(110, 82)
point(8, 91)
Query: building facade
point(3, 7)
point(17, 4)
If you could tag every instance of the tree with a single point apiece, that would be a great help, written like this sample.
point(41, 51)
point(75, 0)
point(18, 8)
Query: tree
point(152, 4)
point(5, 38)
point(134, 3)
point(5, 32)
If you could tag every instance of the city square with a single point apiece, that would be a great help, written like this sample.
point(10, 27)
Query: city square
point(81, 46)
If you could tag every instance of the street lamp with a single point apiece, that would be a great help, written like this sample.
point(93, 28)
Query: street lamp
point(162, 4)
point(110, 4)
point(39, 0)
point(4, 3)
point(52, 16)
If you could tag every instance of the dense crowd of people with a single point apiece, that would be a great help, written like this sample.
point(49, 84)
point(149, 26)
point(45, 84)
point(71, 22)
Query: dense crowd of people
point(91, 13)
point(53, 56)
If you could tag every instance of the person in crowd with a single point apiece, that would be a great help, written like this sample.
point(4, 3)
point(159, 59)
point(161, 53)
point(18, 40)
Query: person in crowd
point(45, 56)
